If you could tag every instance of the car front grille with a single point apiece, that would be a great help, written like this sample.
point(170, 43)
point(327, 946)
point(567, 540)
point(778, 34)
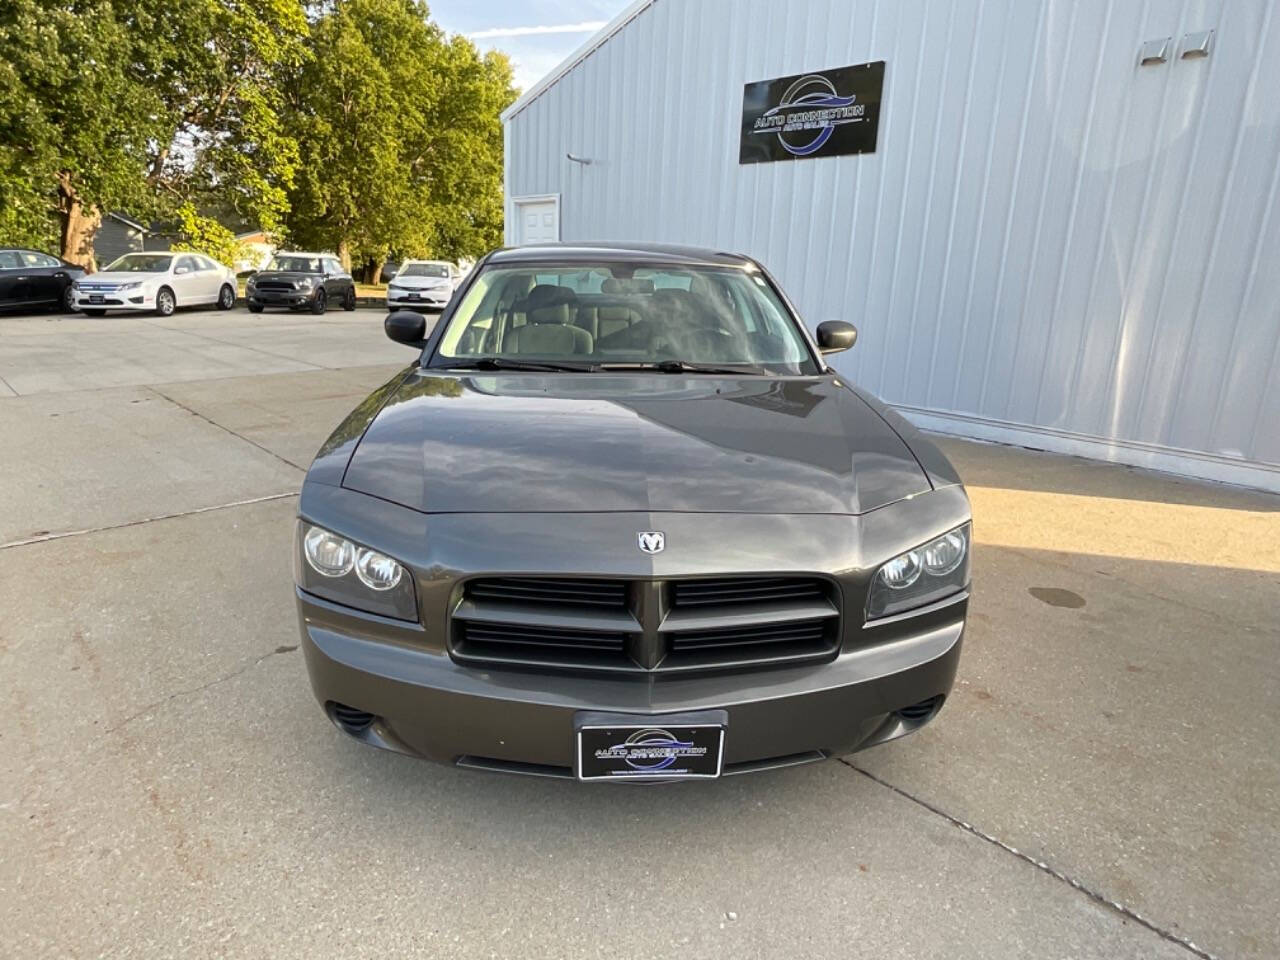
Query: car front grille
point(275, 285)
point(642, 626)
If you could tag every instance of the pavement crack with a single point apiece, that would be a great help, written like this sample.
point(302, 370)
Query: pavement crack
point(215, 423)
point(192, 691)
point(62, 535)
point(1127, 912)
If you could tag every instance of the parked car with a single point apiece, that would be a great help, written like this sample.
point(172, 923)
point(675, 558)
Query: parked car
point(29, 278)
point(301, 281)
point(423, 285)
point(621, 521)
point(156, 282)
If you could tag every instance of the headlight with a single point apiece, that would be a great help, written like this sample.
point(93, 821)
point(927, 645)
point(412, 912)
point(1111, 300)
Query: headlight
point(75, 285)
point(335, 568)
point(918, 577)
point(306, 283)
point(126, 287)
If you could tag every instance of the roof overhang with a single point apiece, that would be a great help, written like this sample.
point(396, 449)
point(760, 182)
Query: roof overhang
point(597, 40)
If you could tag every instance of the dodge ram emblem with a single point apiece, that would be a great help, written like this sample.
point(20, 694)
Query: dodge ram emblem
point(652, 541)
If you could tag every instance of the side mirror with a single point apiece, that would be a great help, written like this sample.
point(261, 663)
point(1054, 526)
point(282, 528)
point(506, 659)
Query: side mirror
point(179, 271)
point(407, 327)
point(836, 335)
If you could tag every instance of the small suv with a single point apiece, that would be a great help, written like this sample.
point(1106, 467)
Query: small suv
point(301, 281)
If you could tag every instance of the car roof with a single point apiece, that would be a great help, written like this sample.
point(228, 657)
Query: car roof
point(302, 253)
point(666, 253)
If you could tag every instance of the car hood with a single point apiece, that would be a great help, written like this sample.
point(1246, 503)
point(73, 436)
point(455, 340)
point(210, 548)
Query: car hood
point(420, 283)
point(122, 276)
point(597, 442)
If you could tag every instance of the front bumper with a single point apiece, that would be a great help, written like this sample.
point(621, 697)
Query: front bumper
point(418, 299)
point(281, 298)
point(128, 300)
point(426, 705)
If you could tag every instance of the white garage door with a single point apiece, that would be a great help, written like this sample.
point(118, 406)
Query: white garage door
point(537, 219)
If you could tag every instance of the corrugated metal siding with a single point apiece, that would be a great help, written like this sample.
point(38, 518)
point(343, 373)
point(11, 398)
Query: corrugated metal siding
point(1049, 240)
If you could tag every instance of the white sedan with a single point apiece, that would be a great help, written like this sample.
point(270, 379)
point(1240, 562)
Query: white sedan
point(157, 282)
point(423, 285)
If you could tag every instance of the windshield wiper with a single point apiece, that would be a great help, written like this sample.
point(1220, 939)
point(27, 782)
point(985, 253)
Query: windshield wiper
point(508, 363)
point(684, 366)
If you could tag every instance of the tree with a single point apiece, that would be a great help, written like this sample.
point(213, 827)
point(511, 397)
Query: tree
point(74, 128)
point(154, 106)
point(400, 139)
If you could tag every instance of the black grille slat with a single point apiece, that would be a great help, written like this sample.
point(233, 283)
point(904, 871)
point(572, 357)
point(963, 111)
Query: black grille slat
point(812, 631)
point(603, 593)
point(723, 591)
point(534, 636)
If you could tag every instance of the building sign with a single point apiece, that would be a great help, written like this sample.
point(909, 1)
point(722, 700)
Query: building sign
point(822, 114)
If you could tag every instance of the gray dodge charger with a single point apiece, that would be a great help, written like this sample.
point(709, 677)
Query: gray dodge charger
point(620, 521)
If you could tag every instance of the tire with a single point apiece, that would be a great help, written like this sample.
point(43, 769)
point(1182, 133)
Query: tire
point(94, 312)
point(226, 297)
point(255, 308)
point(67, 303)
point(318, 305)
point(166, 303)
point(349, 301)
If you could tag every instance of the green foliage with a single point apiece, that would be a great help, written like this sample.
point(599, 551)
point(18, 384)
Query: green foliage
point(70, 111)
point(207, 235)
point(400, 136)
point(355, 124)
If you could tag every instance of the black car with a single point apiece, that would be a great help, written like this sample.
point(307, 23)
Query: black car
point(301, 281)
point(29, 278)
point(621, 520)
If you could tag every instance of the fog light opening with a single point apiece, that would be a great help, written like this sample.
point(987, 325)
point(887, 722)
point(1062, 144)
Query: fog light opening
point(919, 712)
point(351, 720)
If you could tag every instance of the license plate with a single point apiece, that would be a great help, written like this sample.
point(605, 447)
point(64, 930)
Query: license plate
point(415, 296)
point(685, 747)
point(95, 298)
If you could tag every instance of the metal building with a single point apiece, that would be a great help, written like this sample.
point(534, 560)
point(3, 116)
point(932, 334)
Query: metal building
point(1064, 233)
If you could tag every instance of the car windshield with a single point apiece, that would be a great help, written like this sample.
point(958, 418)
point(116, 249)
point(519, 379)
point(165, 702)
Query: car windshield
point(140, 263)
point(616, 316)
point(424, 270)
point(295, 264)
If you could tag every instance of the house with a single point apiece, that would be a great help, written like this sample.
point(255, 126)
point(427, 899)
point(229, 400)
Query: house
point(119, 234)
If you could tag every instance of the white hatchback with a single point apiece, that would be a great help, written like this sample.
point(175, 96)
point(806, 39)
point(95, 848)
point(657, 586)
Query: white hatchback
point(156, 282)
point(423, 285)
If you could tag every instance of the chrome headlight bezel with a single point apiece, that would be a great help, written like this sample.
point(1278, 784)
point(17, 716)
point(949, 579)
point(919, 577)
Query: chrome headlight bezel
point(922, 575)
point(306, 283)
point(351, 581)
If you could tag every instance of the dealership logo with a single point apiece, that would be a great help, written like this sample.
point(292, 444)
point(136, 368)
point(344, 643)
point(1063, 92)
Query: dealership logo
point(652, 541)
point(651, 749)
point(807, 115)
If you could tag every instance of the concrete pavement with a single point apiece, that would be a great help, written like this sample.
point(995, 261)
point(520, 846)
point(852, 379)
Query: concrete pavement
point(1103, 782)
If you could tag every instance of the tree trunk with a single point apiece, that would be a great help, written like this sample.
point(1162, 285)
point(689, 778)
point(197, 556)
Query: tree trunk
point(378, 266)
point(344, 254)
point(78, 224)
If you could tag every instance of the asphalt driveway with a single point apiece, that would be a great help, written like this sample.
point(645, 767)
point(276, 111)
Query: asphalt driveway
point(1103, 783)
